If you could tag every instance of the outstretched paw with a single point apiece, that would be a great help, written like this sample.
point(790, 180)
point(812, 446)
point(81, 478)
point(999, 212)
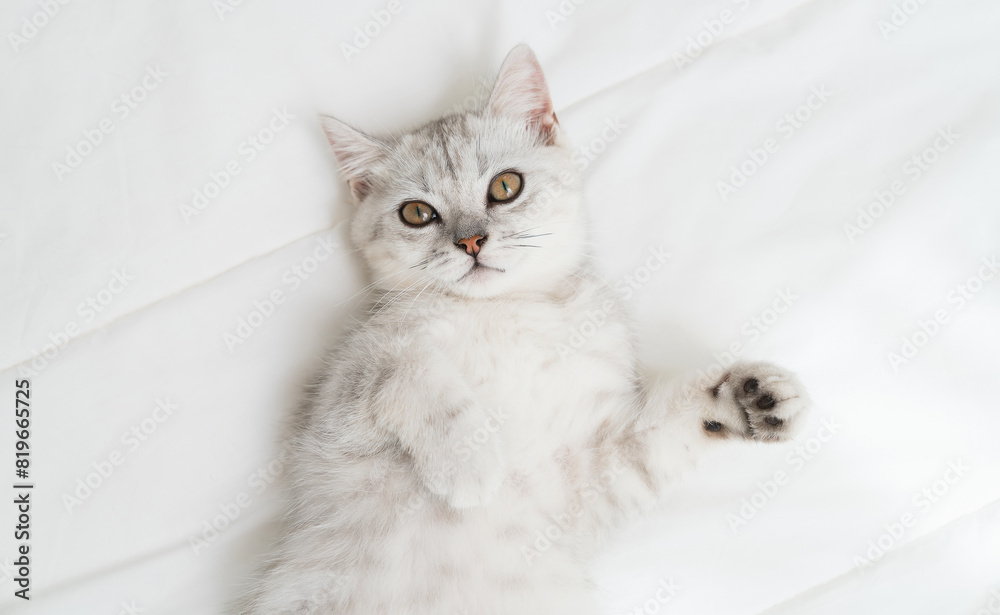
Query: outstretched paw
point(758, 401)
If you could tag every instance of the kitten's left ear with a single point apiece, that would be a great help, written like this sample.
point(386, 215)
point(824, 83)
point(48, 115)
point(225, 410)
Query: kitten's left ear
point(356, 154)
point(520, 91)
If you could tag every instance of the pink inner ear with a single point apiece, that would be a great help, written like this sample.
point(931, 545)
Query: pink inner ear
point(355, 152)
point(521, 91)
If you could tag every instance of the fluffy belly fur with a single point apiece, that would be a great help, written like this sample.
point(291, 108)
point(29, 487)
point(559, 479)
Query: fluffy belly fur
point(579, 443)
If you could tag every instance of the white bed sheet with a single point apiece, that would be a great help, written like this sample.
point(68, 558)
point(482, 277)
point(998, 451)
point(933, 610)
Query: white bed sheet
point(215, 77)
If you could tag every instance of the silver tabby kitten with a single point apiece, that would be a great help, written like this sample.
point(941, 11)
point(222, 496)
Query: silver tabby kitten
point(451, 429)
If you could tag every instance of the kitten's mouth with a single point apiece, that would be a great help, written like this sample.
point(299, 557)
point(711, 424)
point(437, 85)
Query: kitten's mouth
point(478, 271)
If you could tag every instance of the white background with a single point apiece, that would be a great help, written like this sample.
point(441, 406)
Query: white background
point(688, 120)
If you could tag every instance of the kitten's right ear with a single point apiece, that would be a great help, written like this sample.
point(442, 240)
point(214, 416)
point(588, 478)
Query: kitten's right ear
point(355, 151)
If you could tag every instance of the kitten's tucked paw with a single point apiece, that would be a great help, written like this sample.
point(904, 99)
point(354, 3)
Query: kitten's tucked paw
point(477, 480)
point(471, 475)
point(759, 401)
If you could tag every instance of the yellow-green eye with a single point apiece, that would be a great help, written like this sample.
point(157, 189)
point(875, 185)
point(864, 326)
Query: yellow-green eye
point(417, 213)
point(505, 187)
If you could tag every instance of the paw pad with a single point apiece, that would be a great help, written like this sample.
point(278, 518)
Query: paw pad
point(713, 426)
point(757, 401)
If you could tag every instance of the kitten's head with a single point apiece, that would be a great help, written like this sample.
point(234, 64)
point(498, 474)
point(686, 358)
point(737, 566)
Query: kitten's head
point(478, 204)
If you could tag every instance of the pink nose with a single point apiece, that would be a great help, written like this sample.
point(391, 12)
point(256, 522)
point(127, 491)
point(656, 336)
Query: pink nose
point(472, 244)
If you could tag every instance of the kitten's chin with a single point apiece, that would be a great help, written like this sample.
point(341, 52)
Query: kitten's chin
point(486, 282)
point(490, 279)
point(480, 273)
point(482, 281)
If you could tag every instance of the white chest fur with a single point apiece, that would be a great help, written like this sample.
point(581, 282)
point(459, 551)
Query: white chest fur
point(526, 365)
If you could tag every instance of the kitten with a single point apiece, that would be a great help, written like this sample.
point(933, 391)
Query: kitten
point(449, 431)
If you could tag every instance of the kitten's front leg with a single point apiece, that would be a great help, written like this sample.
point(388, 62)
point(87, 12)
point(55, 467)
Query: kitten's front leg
point(675, 423)
point(679, 420)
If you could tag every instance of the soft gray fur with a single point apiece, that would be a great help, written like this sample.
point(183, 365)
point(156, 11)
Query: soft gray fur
point(453, 430)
